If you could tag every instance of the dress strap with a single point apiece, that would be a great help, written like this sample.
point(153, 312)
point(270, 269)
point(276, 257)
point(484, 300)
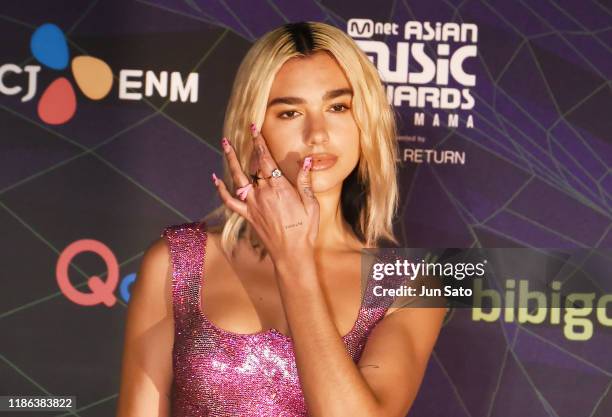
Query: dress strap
point(373, 307)
point(187, 244)
point(371, 312)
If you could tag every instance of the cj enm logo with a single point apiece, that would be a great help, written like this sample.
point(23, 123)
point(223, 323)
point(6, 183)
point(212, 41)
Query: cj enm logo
point(93, 77)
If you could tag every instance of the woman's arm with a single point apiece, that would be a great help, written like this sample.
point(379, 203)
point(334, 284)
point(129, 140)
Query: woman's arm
point(146, 372)
point(286, 220)
point(391, 368)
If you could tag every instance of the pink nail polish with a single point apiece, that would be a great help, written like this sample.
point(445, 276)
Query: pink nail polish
point(215, 179)
point(307, 163)
point(225, 144)
point(253, 129)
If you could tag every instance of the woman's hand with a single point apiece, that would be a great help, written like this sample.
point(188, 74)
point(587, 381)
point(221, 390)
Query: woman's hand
point(286, 220)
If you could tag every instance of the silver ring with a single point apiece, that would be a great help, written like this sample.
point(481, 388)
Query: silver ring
point(276, 173)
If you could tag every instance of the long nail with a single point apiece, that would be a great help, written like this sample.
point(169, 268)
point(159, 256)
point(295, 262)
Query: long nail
point(253, 130)
point(215, 179)
point(226, 145)
point(243, 191)
point(307, 163)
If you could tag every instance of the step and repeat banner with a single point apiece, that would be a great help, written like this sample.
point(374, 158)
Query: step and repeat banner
point(111, 113)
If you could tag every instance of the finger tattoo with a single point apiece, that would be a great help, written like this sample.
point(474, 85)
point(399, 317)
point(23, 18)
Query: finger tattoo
point(308, 192)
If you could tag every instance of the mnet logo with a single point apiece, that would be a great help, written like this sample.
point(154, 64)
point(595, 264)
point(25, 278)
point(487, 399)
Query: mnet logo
point(360, 28)
point(366, 28)
point(93, 77)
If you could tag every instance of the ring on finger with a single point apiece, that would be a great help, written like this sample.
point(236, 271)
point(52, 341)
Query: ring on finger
point(276, 173)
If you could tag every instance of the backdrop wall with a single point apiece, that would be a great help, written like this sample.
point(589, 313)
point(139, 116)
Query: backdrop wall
point(504, 140)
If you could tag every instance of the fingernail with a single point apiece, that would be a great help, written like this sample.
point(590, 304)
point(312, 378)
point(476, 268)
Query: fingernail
point(253, 129)
point(225, 144)
point(215, 179)
point(307, 163)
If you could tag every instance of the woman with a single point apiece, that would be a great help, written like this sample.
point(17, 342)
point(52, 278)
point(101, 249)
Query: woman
point(264, 316)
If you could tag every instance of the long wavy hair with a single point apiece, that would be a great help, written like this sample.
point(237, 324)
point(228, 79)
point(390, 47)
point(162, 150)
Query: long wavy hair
point(369, 196)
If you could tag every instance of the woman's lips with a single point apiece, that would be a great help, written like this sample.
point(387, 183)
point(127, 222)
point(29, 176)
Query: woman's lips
point(322, 161)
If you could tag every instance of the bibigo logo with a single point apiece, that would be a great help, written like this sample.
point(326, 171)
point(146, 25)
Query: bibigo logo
point(94, 78)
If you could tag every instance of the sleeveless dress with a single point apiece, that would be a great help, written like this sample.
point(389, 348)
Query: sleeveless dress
point(219, 373)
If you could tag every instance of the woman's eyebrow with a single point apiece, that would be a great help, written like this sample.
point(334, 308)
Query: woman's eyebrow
point(331, 94)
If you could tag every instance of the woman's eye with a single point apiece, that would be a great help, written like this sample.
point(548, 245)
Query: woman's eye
point(289, 114)
point(339, 107)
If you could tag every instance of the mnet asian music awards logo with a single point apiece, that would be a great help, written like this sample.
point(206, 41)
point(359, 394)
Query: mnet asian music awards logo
point(94, 78)
point(438, 82)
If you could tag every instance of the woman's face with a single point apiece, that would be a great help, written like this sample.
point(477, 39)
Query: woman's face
point(309, 114)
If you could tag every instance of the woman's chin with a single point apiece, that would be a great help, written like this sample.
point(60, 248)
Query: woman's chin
point(322, 185)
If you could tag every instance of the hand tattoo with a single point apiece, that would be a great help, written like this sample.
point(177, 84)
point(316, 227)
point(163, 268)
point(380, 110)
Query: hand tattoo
point(289, 226)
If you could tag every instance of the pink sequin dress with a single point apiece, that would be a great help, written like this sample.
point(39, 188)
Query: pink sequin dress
point(219, 373)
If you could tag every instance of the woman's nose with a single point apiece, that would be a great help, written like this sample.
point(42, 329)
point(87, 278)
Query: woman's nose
point(316, 130)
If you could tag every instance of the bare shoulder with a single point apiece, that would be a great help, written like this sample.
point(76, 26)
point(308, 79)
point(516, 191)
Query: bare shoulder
point(152, 288)
point(416, 317)
point(157, 255)
point(214, 250)
point(213, 240)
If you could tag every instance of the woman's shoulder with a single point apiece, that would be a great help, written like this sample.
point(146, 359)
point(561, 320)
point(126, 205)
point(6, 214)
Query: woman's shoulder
point(152, 283)
point(158, 253)
point(179, 233)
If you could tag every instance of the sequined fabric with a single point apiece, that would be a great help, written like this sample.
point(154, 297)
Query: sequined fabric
point(219, 373)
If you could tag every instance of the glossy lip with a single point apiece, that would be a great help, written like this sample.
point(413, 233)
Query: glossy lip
point(321, 161)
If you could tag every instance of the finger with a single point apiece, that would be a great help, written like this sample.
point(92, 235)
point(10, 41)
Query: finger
point(254, 170)
point(266, 163)
point(304, 185)
point(238, 176)
point(232, 203)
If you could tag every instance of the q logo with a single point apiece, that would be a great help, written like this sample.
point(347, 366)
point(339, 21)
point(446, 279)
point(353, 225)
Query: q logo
point(124, 288)
point(101, 291)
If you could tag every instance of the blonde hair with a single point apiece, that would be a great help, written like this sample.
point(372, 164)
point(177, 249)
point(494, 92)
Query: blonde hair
point(370, 193)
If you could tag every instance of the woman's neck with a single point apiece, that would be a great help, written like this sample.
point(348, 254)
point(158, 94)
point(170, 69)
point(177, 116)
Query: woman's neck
point(334, 232)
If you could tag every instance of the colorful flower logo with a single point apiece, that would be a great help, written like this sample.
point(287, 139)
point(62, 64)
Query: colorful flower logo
point(57, 104)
